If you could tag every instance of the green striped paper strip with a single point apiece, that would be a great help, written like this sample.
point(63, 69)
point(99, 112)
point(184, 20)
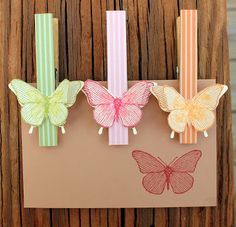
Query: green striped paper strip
point(45, 71)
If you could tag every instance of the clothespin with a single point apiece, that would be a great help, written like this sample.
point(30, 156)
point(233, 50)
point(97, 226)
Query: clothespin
point(187, 63)
point(117, 68)
point(46, 61)
point(56, 49)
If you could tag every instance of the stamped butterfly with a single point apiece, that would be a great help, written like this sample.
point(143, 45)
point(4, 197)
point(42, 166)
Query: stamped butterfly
point(159, 175)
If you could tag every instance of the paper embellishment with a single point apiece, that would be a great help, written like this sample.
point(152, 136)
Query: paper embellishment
point(38, 108)
point(188, 65)
point(117, 69)
point(159, 175)
point(64, 172)
point(197, 112)
point(109, 109)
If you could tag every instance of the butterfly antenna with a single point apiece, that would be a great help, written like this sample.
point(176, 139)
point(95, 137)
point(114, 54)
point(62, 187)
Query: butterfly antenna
point(173, 161)
point(63, 131)
point(100, 131)
point(172, 134)
point(161, 161)
point(31, 129)
point(205, 134)
point(135, 132)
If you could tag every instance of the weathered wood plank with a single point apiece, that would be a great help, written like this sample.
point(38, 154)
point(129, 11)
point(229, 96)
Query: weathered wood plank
point(74, 217)
point(144, 217)
point(99, 217)
point(10, 65)
point(151, 42)
point(114, 217)
point(85, 217)
point(161, 217)
point(60, 217)
point(98, 42)
point(129, 216)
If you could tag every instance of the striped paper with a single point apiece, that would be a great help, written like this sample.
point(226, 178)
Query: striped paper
point(117, 68)
point(45, 71)
point(188, 65)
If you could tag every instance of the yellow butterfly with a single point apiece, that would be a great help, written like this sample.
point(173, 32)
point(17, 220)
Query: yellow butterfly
point(36, 106)
point(198, 111)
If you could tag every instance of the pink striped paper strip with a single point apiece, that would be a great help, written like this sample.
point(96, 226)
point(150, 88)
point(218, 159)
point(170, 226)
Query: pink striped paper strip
point(188, 65)
point(117, 68)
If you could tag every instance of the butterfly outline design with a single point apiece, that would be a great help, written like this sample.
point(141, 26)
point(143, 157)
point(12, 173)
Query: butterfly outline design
point(159, 175)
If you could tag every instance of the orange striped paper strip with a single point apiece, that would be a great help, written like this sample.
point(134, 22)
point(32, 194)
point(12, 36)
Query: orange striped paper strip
point(188, 65)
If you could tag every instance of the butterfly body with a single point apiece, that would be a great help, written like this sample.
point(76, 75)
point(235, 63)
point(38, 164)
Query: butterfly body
point(168, 171)
point(117, 104)
point(159, 175)
point(192, 110)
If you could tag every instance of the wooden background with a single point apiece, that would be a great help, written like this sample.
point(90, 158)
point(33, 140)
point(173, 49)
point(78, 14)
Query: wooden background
point(151, 44)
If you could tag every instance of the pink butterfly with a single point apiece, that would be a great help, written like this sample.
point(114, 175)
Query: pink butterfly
point(108, 108)
point(159, 174)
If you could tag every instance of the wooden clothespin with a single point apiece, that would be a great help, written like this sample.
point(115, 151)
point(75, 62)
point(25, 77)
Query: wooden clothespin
point(117, 68)
point(187, 63)
point(46, 34)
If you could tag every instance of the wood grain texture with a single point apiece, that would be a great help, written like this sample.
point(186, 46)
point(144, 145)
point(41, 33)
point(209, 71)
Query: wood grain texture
point(151, 43)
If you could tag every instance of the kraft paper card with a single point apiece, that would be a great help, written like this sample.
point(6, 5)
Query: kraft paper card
point(83, 171)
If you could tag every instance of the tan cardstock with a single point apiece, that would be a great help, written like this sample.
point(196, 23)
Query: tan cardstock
point(83, 171)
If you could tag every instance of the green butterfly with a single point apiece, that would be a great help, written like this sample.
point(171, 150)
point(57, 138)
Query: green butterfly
point(37, 107)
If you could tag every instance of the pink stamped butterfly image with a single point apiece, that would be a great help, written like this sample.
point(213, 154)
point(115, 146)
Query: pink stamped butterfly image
point(108, 109)
point(160, 175)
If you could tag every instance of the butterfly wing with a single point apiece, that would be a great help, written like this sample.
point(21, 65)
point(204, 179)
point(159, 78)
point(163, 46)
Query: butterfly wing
point(57, 113)
point(181, 182)
point(203, 120)
point(177, 120)
point(158, 92)
point(102, 101)
point(155, 183)
point(74, 88)
point(132, 102)
point(187, 162)
point(130, 115)
point(180, 179)
point(138, 94)
point(205, 103)
point(209, 97)
point(63, 97)
point(104, 115)
point(31, 101)
point(155, 179)
point(147, 163)
point(169, 99)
